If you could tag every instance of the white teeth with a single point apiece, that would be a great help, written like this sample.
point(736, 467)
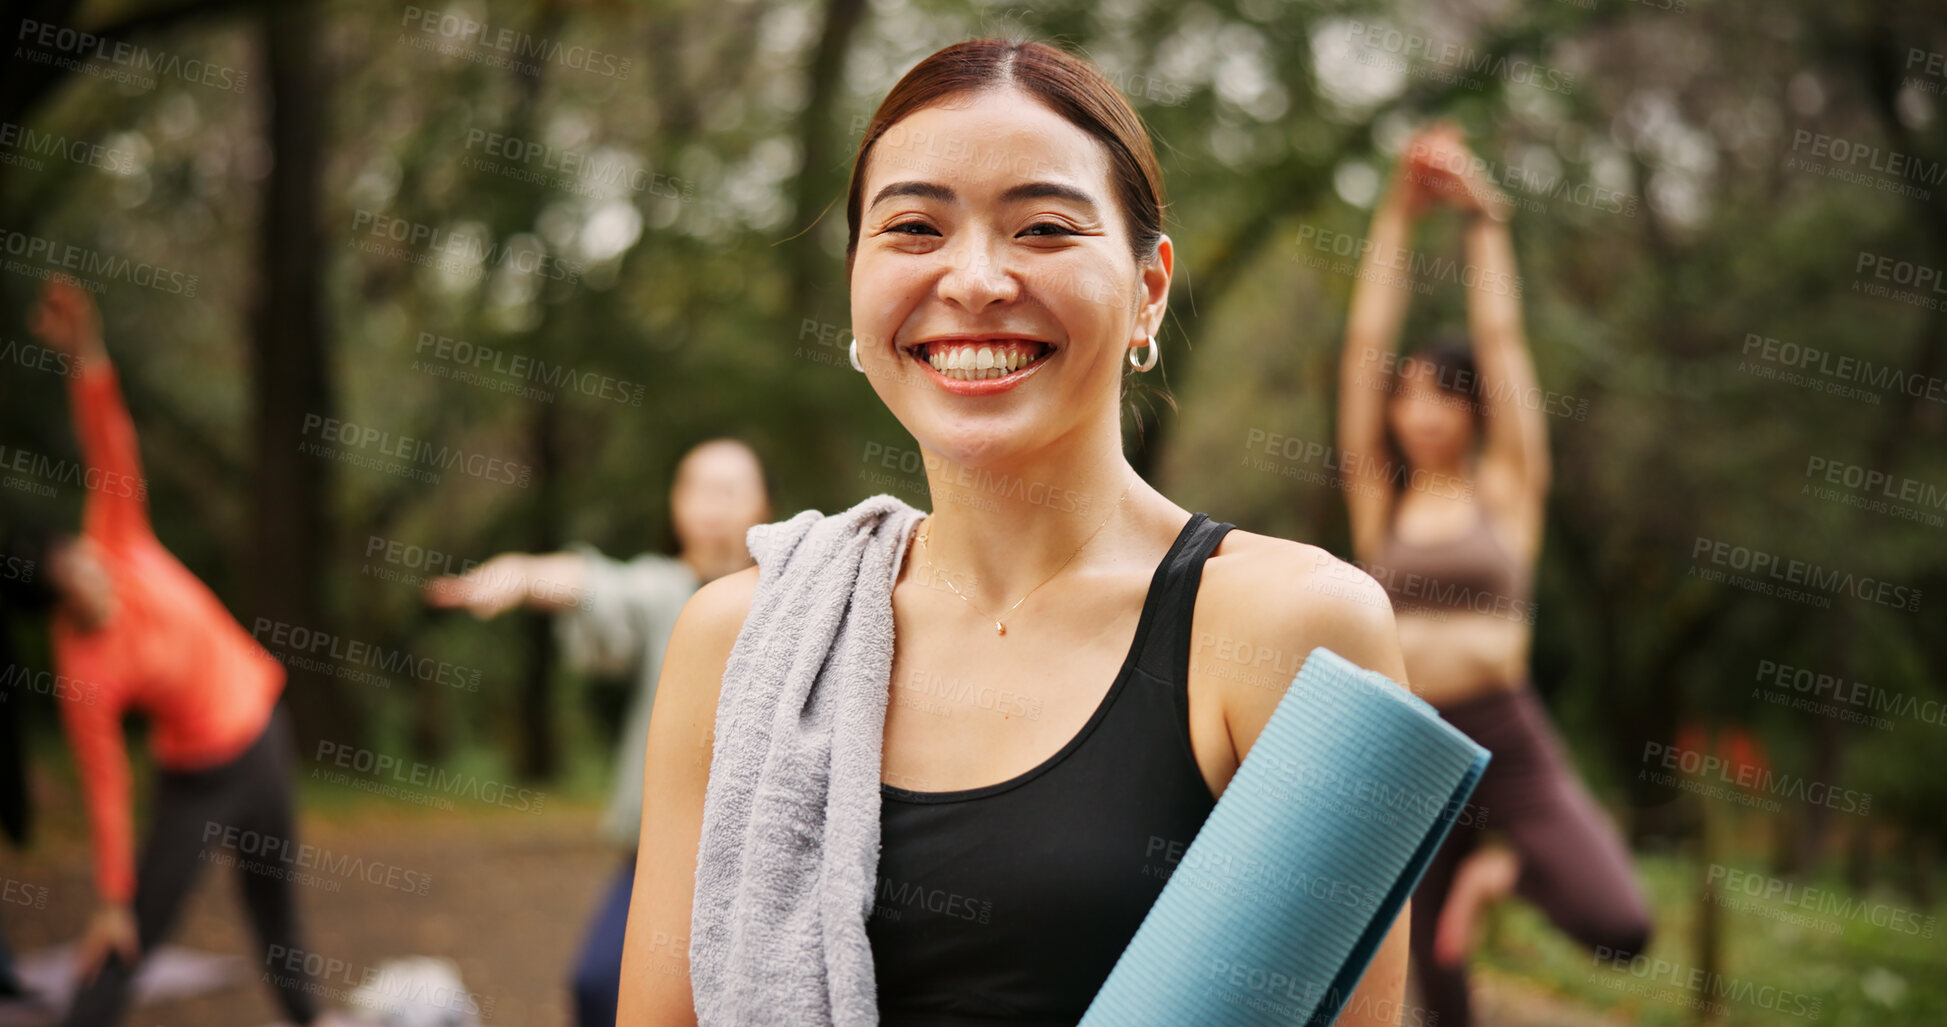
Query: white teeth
point(975, 363)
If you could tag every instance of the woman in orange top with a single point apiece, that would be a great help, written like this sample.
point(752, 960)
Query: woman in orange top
point(135, 630)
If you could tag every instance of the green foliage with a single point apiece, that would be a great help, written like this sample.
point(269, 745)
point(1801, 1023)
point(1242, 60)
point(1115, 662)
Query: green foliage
point(1663, 224)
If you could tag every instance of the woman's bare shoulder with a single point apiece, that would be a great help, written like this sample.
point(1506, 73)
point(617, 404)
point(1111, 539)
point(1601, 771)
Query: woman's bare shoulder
point(705, 632)
point(721, 605)
point(1271, 601)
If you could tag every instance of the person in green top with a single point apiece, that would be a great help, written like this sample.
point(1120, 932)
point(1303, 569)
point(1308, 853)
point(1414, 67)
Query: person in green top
point(613, 617)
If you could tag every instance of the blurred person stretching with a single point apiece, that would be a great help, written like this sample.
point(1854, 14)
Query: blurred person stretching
point(1450, 455)
point(135, 630)
point(614, 618)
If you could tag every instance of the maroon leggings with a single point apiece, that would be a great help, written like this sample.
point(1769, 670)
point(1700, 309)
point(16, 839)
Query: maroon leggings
point(1574, 866)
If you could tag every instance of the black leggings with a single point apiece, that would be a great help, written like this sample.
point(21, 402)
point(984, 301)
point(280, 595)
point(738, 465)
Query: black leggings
point(1574, 865)
point(193, 813)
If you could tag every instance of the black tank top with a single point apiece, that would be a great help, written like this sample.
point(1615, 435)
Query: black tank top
point(1012, 901)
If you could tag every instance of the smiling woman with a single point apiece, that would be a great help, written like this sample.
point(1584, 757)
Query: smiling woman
point(1007, 268)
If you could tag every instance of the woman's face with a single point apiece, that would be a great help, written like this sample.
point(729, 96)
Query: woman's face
point(1434, 427)
point(994, 294)
point(717, 496)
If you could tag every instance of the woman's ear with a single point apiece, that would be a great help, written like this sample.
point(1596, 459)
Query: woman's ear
point(1155, 275)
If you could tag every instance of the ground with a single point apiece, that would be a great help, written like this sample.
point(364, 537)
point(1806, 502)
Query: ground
point(508, 899)
point(510, 895)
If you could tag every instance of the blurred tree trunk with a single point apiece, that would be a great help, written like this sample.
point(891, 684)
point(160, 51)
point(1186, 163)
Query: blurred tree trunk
point(292, 534)
point(1926, 859)
point(819, 186)
point(1809, 826)
point(1710, 928)
point(1861, 865)
point(539, 756)
point(432, 719)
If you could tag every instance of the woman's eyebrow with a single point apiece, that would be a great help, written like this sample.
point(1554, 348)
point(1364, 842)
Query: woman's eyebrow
point(1013, 194)
point(1047, 190)
point(927, 190)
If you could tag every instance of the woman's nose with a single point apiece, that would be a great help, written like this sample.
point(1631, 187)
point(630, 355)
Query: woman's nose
point(977, 274)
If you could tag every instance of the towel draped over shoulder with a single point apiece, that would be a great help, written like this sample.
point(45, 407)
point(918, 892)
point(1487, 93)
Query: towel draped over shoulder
point(789, 853)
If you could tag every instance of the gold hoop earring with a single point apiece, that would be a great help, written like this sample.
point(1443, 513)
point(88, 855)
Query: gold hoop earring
point(1149, 361)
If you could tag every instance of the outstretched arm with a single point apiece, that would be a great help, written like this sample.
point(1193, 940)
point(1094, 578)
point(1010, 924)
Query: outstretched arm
point(116, 509)
point(1514, 454)
point(1379, 302)
point(91, 717)
point(1517, 432)
point(549, 582)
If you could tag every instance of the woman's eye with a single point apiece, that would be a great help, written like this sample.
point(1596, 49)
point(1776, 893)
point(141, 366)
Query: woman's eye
point(1057, 227)
point(902, 227)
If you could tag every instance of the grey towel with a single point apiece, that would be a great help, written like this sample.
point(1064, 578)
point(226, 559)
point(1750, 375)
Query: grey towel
point(789, 855)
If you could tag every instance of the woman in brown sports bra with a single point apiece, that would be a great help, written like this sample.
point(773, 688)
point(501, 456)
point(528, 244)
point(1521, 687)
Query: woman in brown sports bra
point(1449, 450)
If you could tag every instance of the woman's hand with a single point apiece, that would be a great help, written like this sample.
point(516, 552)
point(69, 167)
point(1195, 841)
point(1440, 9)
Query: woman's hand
point(66, 320)
point(1409, 191)
point(1441, 164)
point(486, 591)
point(111, 929)
point(547, 582)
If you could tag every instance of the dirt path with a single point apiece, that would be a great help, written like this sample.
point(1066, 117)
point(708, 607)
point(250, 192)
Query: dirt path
point(507, 897)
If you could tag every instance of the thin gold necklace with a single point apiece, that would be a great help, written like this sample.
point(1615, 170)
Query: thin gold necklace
point(1000, 625)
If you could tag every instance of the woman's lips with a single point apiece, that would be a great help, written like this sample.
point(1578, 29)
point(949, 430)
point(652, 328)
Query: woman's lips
point(981, 367)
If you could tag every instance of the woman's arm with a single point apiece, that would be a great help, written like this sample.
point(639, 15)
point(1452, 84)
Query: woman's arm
point(1516, 447)
point(1329, 603)
point(1379, 300)
point(1514, 455)
point(655, 955)
point(116, 510)
point(549, 582)
point(91, 715)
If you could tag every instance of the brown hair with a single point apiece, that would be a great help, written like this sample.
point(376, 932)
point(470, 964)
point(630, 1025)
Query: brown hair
point(1450, 357)
point(1068, 85)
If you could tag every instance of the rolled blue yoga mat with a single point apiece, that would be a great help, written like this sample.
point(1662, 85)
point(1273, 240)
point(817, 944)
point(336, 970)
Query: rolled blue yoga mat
point(1278, 905)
